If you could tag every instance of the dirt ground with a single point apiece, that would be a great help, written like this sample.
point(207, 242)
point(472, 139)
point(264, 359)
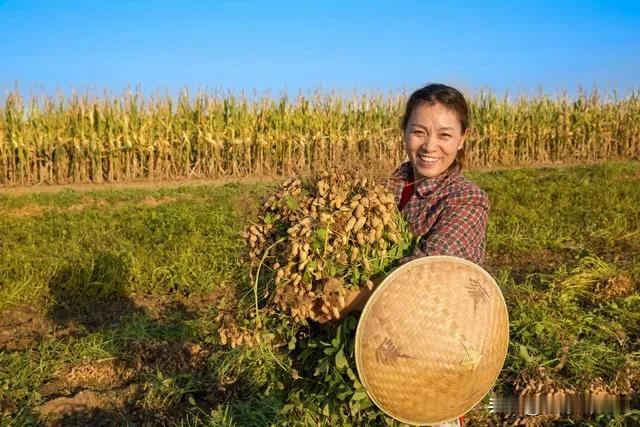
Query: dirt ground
point(146, 184)
point(103, 392)
point(181, 182)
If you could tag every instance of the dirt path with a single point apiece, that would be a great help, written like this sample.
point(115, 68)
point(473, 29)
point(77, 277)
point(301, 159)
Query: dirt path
point(183, 182)
point(146, 184)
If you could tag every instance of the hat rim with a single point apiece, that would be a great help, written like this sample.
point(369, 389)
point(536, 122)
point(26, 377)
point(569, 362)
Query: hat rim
point(367, 308)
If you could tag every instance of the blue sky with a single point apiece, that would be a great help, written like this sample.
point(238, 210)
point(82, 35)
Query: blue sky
point(299, 45)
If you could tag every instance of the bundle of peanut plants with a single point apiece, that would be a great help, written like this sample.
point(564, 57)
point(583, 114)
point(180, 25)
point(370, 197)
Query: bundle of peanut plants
point(314, 241)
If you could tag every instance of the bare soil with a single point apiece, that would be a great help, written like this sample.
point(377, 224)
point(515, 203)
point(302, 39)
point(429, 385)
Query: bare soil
point(151, 183)
point(33, 210)
point(81, 401)
point(181, 182)
point(145, 184)
point(101, 392)
point(24, 327)
point(543, 260)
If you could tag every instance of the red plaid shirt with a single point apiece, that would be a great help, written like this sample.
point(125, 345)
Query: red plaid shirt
point(448, 211)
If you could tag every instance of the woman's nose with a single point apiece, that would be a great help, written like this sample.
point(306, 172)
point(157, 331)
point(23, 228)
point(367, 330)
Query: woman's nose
point(429, 143)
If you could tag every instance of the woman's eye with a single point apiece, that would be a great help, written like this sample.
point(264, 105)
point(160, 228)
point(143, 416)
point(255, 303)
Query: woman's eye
point(444, 135)
point(418, 132)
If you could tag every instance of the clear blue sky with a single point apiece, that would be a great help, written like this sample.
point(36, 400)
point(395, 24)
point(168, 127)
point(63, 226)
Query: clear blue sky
point(246, 45)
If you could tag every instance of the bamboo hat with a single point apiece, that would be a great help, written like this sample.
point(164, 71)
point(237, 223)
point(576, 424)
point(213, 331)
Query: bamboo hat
point(432, 340)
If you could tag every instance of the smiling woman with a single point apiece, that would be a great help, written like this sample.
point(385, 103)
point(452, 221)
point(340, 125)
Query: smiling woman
point(445, 209)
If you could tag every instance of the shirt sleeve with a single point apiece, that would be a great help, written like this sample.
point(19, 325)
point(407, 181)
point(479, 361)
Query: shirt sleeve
point(459, 230)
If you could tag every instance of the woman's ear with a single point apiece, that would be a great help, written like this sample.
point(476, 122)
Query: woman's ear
point(463, 138)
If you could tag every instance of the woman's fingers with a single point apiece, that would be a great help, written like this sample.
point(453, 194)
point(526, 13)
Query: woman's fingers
point(354, 300)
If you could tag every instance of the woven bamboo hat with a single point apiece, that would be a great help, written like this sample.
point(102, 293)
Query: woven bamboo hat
point(432, 340)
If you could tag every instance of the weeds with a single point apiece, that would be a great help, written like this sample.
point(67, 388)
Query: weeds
point(107, 279)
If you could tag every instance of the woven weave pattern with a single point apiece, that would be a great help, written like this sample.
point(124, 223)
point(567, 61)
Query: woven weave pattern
point(432, 339)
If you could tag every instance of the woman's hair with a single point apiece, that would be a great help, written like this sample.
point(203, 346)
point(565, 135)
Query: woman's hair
point(445, 95)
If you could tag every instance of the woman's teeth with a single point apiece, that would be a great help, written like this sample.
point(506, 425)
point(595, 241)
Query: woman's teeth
point(427, 159)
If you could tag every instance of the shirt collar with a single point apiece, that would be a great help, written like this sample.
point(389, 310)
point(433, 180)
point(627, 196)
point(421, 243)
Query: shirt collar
point(425, 186)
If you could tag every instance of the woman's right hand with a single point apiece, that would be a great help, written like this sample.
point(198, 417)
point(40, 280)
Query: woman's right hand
point(354, 300)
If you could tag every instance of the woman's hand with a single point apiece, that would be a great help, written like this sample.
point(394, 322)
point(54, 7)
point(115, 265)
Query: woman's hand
point(354, 300)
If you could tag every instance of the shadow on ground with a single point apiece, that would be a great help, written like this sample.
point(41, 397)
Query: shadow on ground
point(155, 363)
point(91, 293)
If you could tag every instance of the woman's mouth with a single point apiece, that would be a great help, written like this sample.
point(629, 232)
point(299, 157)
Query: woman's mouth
point(427, 159)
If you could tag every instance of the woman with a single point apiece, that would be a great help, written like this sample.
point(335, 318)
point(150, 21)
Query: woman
point(446, 209)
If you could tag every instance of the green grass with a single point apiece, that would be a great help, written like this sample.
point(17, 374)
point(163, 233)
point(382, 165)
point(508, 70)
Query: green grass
point(139, 277)
point(111, 242)
point(564, 212)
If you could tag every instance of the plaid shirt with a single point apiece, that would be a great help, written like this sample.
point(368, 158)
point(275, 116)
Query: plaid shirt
point(448, 211)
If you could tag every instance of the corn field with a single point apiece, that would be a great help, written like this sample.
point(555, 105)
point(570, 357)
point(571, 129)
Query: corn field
point(81, 138)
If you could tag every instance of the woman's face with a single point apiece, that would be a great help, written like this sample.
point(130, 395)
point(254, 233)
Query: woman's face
point(432, 139)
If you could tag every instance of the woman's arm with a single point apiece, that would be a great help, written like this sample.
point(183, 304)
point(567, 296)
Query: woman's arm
point(459, 231)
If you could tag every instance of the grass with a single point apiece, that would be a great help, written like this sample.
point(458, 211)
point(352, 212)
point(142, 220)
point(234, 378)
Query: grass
point(120, 242)
point(118, 293)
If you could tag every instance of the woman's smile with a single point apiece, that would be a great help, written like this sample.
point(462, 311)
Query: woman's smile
point(427, 160)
